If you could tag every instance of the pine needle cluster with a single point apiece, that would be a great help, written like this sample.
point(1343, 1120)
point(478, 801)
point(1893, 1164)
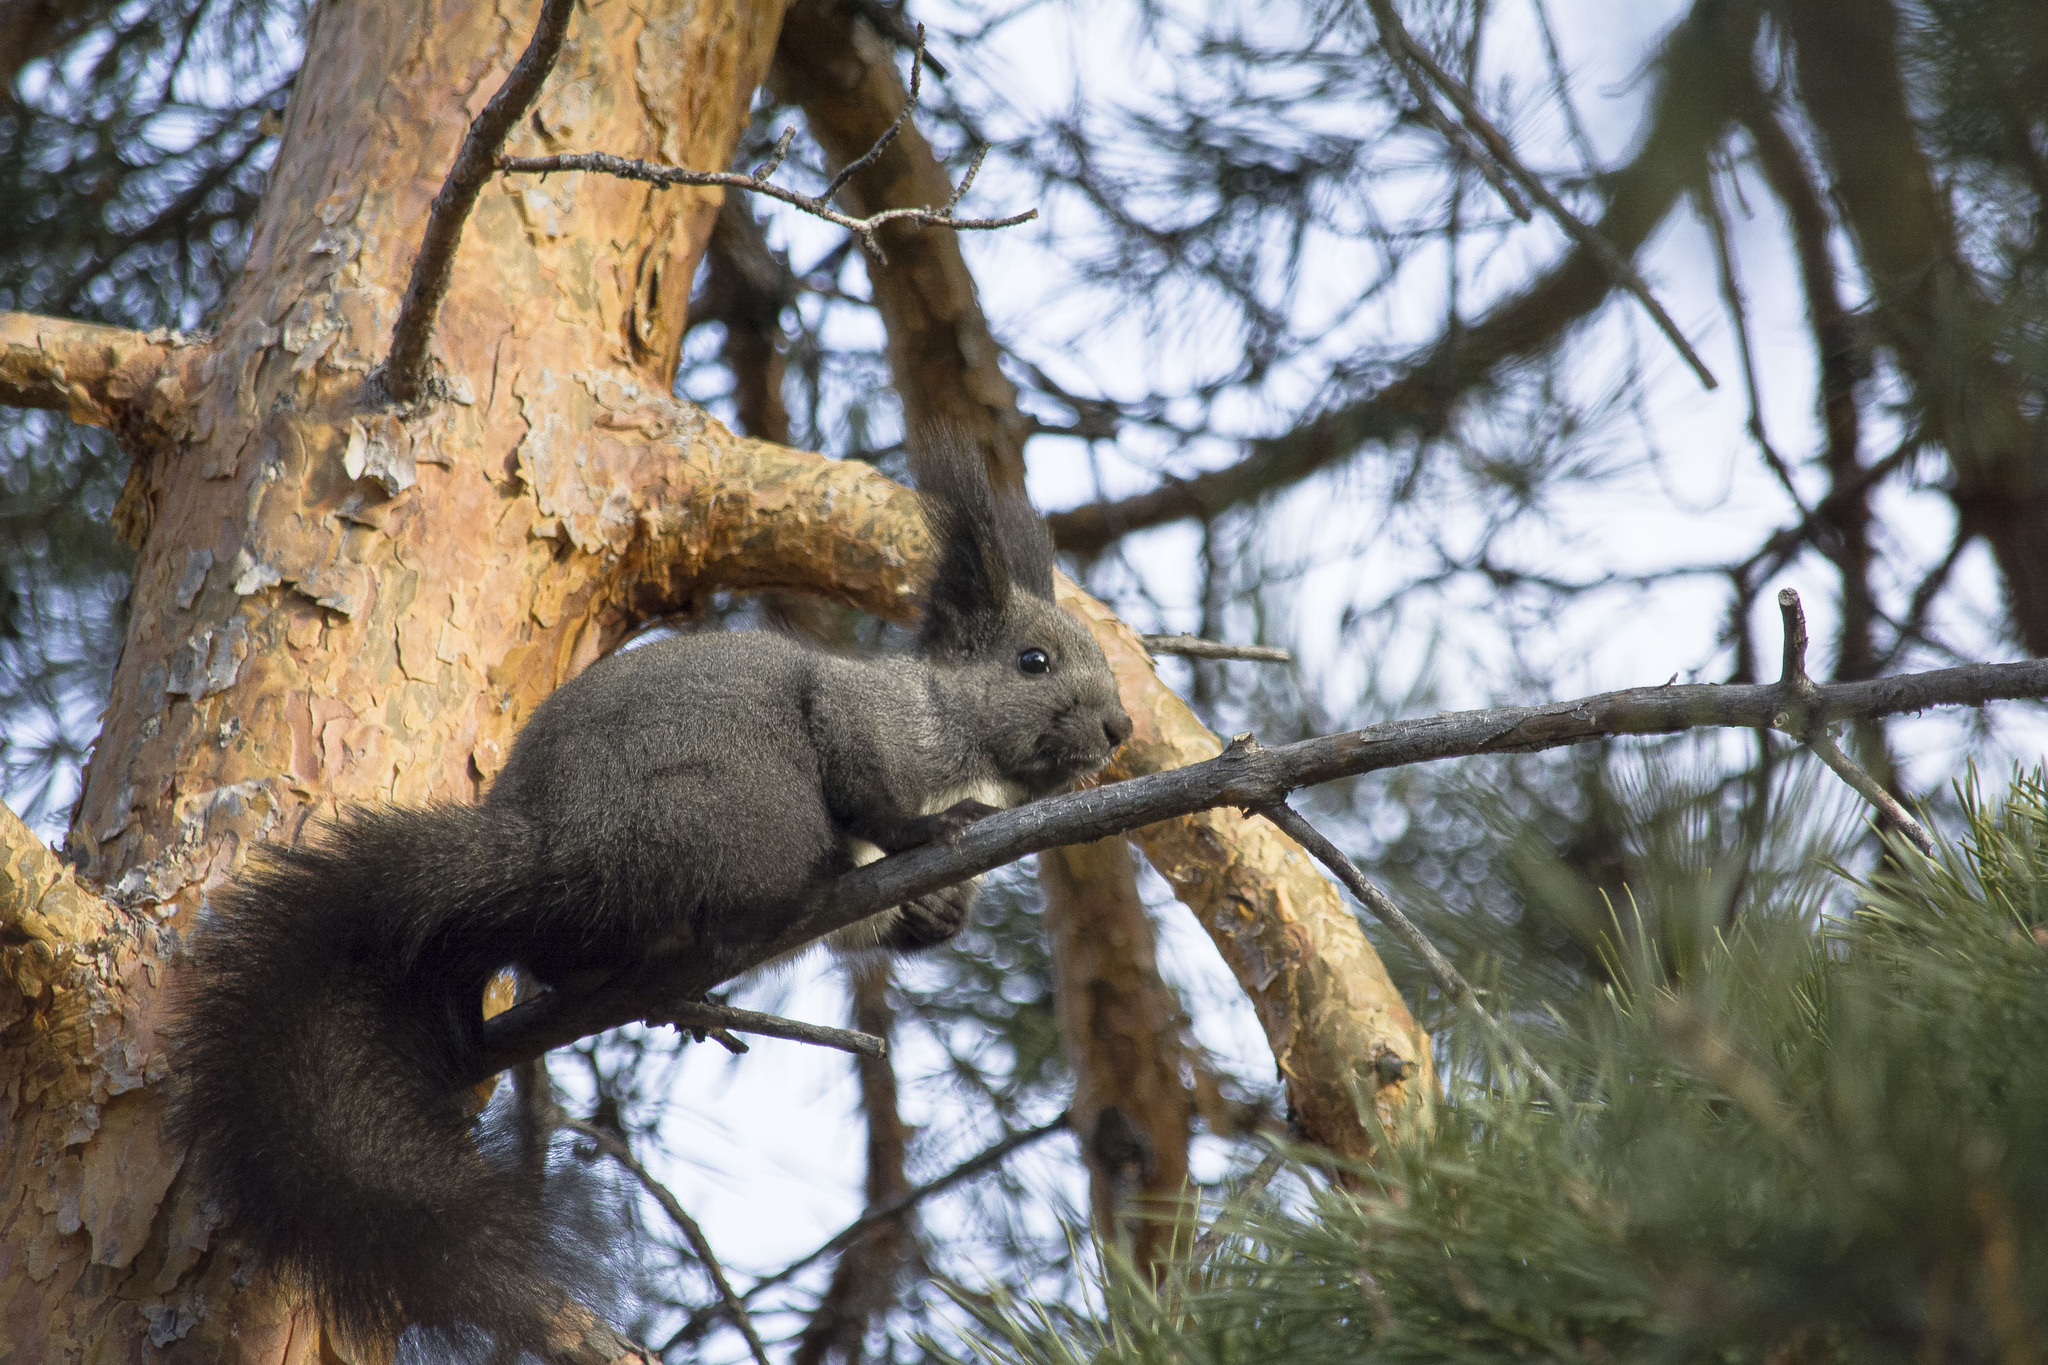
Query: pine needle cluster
point(1805, 1138)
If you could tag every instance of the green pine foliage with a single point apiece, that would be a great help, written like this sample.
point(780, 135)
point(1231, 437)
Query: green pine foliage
point(1806, 1137)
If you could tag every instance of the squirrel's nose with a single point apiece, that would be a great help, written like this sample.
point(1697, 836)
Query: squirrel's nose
point(1117, 728)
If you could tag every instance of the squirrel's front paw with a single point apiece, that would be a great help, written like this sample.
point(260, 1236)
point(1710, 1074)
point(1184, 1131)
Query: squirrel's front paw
point(948, 824)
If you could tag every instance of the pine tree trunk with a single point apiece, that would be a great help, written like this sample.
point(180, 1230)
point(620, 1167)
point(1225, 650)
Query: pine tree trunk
point(334, 602)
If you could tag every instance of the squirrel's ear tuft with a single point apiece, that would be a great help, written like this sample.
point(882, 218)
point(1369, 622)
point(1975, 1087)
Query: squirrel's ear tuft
point(988, 542)
point(1027, 544)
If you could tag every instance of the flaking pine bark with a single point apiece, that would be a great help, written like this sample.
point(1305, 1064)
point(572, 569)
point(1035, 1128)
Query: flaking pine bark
point(337, 601)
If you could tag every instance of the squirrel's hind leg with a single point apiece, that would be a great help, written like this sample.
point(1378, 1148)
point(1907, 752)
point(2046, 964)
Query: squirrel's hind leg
point(923, 923)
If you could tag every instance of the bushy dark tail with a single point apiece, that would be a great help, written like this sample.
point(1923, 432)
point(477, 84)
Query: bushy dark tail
point(329, 1022)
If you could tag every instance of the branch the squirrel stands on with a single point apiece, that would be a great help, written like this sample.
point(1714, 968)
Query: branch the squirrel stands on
point(1251, 779)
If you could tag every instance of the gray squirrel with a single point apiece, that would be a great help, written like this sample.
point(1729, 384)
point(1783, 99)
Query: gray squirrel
point(689, 795)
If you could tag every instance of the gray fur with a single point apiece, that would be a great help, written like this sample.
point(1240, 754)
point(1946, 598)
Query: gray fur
point(689, 794)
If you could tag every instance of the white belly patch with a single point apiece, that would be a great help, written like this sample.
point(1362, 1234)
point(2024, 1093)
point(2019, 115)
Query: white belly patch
point(990, 792)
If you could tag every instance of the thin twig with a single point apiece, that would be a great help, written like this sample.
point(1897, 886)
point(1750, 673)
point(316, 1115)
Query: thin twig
point(1195, 647)
point(711, 1019)
point(405, 368)
point(730, 1304)
point(1448, 978)
point(1446, 128)
point(606, 164)
point(1241, 779)
point(1738, 316)
point(1799, 720)
point(1213, 1236)
point(1395, 38)
point(987, 1159)
point(874, 153)
point(817, 205)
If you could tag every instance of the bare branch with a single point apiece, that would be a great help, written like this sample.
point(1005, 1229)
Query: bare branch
point(874, 153)
point(1246, 779)
point(1800, 722)
point(985, 1160)
point(613, 1146)
point(606, 164)
point(1623, 272)
point(709, 1018)
point(405, 369)
point(1425, 103)
point(96, 375)
point(1195, 647)
point(1708, 200)
point(819, 205)
point(1448, 978)
point(1840, 353)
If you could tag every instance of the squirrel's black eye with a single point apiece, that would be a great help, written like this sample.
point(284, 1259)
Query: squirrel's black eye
point(1034, 661)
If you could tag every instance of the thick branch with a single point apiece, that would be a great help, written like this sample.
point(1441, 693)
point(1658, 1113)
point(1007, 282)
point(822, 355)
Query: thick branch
point(1690, 114)
point(405, 370)
point(831, 62)
point(96, 375)
point(747, 286)
point(1930, 304)
point(46, 917)
point(578, 1336)
point(1120, 1030)
point(1252, 779)
point(866, 1282)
